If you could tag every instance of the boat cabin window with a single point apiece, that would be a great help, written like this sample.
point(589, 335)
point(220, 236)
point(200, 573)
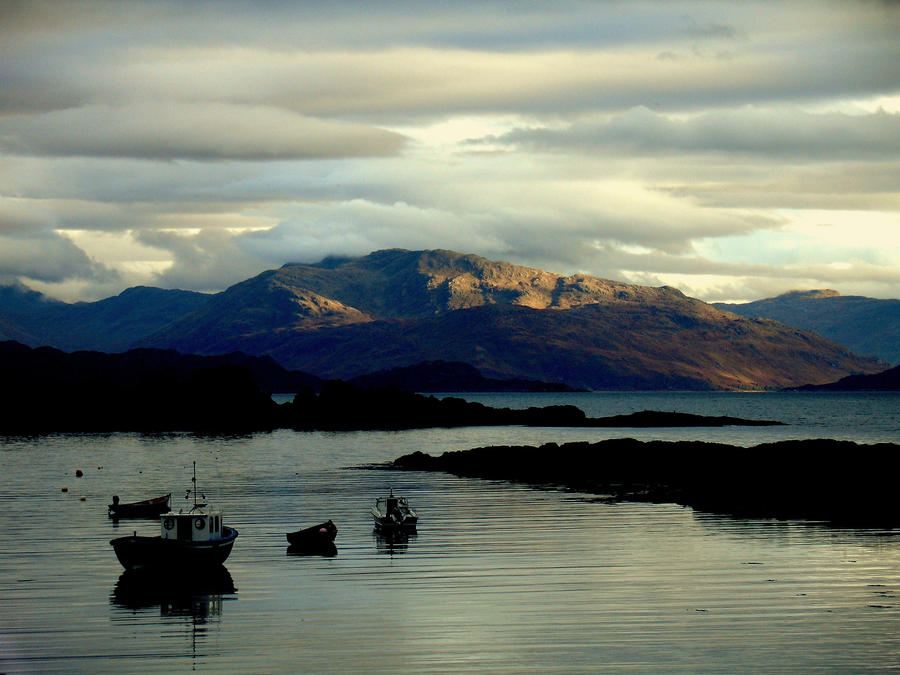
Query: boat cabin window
point(211, 524)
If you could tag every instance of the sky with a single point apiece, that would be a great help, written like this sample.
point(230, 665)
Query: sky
point(734, 150)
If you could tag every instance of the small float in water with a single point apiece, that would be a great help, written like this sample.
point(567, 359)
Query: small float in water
point(394, 513)
point(192, 538)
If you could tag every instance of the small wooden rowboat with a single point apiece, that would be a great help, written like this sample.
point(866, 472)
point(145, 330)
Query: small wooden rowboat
point(317, 537)
point(148, 508)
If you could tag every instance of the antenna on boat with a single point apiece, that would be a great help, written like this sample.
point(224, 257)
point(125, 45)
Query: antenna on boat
point(194, 483)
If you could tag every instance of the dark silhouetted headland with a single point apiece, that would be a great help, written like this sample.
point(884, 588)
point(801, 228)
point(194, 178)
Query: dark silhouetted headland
point(889, 380)
point(825, 480)
point(343, 406)
point(160, 390)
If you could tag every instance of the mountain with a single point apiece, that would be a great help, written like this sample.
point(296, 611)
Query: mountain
point(113, 324)
point(889, 380)
point(17, 303)
point(344, 318)
point(865, 325)
point(396, 308)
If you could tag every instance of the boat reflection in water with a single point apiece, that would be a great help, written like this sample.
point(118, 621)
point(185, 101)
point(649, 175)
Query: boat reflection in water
point(393, 541)
point(198, 594)
point(324, 549)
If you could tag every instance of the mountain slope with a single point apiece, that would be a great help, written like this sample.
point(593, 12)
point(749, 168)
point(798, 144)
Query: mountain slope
point(397, 308)
point(385, 285)
point(110, 325)
point(865, 325)
point(591, 347)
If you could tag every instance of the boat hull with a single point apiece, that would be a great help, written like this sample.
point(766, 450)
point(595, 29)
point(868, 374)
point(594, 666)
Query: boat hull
point(149, 508)
point(388, 524)
point(147, 553)
point(321, 535)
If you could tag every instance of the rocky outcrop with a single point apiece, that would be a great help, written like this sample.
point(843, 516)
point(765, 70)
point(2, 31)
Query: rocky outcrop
point(826, 480)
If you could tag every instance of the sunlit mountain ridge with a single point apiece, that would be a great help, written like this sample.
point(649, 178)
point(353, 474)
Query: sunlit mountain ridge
point(393, 308)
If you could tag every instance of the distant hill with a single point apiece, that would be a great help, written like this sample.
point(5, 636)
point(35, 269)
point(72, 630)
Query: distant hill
point(110, 325)
point(42, 369)
point(865, 325)
point(46, 389)
point(346, 318)
point(445, 376)
point(889, 380)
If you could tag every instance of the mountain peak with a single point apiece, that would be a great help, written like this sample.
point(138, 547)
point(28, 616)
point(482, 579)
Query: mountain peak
point(814, 294)
point(394, 283)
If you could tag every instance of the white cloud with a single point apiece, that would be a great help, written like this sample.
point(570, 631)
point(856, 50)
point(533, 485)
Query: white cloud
point(209, 131)
point(775, 133)
point(684, 142)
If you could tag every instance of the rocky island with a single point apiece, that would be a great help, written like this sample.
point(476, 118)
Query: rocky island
point(839, 482)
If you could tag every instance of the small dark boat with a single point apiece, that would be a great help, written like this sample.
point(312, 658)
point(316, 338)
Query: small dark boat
point(391, 513)
point(148, 508)
point(315, 538)
point(192, 538)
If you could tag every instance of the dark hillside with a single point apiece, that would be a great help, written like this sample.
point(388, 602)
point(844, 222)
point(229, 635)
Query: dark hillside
point(865, 325)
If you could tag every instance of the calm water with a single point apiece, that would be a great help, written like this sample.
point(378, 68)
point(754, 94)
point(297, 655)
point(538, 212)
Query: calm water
point(499, 577)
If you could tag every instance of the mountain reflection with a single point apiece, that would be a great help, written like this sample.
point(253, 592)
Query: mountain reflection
point(391, 542)
point(196, 594)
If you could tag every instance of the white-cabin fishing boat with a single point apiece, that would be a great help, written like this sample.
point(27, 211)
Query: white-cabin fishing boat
point(195, 536)
point(393, 513)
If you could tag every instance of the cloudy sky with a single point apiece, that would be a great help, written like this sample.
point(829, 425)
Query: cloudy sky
point(734, 150)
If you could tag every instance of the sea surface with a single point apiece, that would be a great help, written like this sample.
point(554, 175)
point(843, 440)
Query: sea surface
point(499, 577)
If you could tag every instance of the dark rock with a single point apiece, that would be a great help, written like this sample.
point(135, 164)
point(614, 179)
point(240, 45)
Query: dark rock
point(840, 482)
